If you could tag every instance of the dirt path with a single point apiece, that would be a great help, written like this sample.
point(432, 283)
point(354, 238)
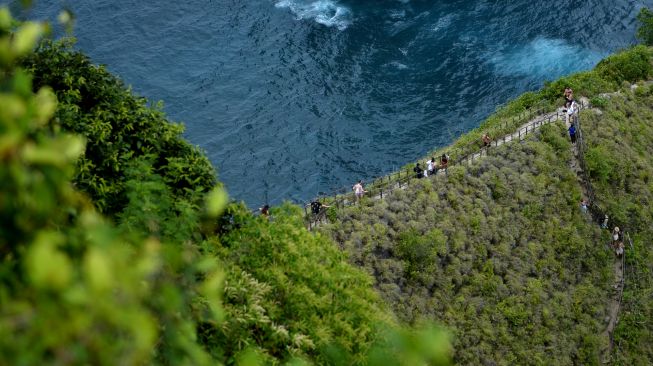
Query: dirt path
point(614, 304)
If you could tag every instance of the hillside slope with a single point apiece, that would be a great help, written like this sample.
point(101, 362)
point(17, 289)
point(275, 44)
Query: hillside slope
point(619, 135)
point(500, 253)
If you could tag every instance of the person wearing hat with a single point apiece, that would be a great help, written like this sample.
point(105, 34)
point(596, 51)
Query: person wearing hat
point(617, 244)
point(615, 233)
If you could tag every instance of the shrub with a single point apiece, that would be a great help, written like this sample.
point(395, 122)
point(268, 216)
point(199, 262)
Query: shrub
point(600, 163)
point(631, 65)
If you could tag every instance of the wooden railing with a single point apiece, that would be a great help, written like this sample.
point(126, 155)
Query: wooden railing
point(382, 186)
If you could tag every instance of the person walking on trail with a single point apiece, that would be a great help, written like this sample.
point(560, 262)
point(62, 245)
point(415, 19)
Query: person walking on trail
point(572, 133)
point(358, 190)
point(419, 172)
point(584, 205)
point(617, 242)
point(572, 111)
point(619, 249)
point(604, 225)
point(486, 140)
point(430, 166)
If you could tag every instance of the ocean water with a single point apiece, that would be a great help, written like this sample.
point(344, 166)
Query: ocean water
point(293, 98)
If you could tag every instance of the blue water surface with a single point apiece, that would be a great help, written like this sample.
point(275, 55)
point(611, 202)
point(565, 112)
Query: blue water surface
point(291, 98)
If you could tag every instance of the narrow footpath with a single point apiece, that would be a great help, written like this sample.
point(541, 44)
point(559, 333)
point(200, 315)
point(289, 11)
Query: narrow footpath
point(617, 266)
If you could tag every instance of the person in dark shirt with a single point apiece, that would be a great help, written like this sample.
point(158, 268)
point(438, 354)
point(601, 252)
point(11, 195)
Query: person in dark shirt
point(265, 211)
point(419, 172)
point(572, 133)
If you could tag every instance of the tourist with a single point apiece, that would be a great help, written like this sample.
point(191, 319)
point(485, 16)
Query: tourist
point(572, 133)
point(584, 205)
point(486, 140)
point(604, 225)
point(419, 173)
point(265, 211)
point(430, 166)
point(571, 112)
point(615, 236)
point(317, 207)
point(358, 190)
point(619, 249)
point(569, 97)
point(444, 162)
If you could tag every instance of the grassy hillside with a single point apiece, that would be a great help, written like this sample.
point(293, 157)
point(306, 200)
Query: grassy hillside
point(118, 246)
point(620, 141)
point(501, 253)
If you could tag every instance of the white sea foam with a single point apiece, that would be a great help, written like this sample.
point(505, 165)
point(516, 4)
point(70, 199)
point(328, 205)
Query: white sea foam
point(397, 65)
point(443, 23)
point(543, 57)
point(325, 12)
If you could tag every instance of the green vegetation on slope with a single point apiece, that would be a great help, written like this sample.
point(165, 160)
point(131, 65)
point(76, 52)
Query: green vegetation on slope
point(119, 128)
point(171, 274)
point(620, 142)
point(500, 253)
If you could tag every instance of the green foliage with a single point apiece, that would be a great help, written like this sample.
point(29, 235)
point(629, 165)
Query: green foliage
point(631, 66)
point(624, 128)
point(164, 280)
point(73, 289)
point(502, 255)
point(645, 30)
point(598, 102)
point(419, 250)
point(600, 163)
point(118, 127)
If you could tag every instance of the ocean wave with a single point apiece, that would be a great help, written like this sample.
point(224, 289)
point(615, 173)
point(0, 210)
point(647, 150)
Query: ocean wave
point(325, 12)
point(543, 57)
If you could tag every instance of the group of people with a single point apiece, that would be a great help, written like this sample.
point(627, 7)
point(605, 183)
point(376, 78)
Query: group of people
point(570, 108)
point(431, 167)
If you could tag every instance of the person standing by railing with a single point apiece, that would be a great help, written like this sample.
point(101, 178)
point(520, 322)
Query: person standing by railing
point(444, 162)
point(419, 172)
point(569, 97)
point(430, 166)
point(571, 112)
point(358, 190)
point(486, 140)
